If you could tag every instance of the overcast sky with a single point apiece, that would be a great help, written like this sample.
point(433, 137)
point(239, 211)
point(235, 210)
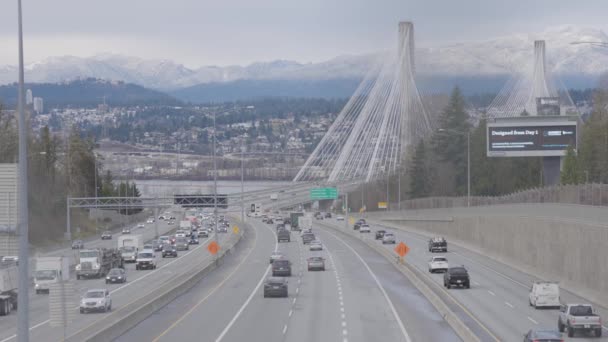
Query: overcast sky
point(225, 32)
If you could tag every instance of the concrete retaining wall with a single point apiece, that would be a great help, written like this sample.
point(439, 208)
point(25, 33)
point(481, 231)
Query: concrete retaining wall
point(574, 253)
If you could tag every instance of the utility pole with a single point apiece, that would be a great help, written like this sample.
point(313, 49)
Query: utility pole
point(468, 168)
point(346, 210)
point(23, 324)
point(399, 189)
point(215, 187)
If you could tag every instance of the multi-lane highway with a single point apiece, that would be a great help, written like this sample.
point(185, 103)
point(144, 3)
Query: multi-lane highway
point(139, 283)
point(498, 296)
point(360, 297)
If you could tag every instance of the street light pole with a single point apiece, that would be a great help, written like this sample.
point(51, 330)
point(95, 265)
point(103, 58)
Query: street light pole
point(468, 168)
point(215, 186)
point(242, 184)
point(23, 300)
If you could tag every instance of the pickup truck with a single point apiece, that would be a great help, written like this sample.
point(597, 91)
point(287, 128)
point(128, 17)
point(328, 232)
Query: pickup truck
point(579, 318)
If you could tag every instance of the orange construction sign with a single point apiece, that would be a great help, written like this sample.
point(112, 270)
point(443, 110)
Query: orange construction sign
point(213, 248)
point(402, 249)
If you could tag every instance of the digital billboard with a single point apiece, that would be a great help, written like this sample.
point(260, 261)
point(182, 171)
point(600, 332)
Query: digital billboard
point(530, 139)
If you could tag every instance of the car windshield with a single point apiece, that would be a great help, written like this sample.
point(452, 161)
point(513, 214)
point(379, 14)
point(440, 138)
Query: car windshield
point(115, 272)
point(94, 294)
point(107, 232)
point(145, 255)
point(581, 310)
point(127, 249)
point(46, 274)
point(440, 259)
point(88, 254)
point(281, 263)
point(458, 270)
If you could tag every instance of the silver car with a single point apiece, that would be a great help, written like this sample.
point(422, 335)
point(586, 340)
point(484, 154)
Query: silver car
point(96, 300)
point(316, 245)
point(181, 244)
point(388, 238)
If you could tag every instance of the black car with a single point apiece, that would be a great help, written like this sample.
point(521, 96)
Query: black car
point(281, 267)
point(107, 235)
point(193, 239)
point(169, 250)
point(116, 275)
point(438, 244)
point(283, 235)
point(275, 287)
point(157, 245)
point(543, 335)
point(308, 237)
point(327, 215)
point(380, 234)
point(456, 276)
point(77, 244)
point(359, 223)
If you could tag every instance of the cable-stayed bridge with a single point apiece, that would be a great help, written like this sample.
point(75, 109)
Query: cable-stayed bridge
point(383, 117)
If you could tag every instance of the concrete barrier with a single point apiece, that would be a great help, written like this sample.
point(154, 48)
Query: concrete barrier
point(422, 284)
point(573, 252)
point(123, 319)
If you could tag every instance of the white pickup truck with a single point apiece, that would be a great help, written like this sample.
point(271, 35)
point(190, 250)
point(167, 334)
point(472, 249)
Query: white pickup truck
point(579, 318)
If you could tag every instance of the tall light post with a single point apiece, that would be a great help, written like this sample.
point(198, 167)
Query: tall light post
point(242, 184)
point(468, 134)
point(23, 301)
point(215, 185)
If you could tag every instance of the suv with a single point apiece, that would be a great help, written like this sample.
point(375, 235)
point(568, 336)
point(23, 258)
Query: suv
point(281, 267)
point(182, 244)
point(275, 287)
point(96, 300)
point(579, 318)
point(438, 244)
point(169, 250)
point(283, 235)
point(308, 238)
point(358, 224)
point(145, 260)
point(456, 276)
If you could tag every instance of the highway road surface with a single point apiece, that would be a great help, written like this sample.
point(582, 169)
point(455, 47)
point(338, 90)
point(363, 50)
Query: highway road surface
point(360, 297)
point(138, 284)
point(498, 296)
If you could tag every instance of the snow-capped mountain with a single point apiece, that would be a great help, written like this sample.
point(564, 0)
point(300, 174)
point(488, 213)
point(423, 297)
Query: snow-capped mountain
point(499, 56)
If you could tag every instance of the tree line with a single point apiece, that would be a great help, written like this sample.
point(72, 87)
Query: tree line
point(437, 165)
point(59, 167)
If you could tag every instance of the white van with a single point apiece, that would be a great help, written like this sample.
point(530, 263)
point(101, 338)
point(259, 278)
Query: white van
point(544, 294)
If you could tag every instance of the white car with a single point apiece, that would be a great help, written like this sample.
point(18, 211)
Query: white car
point(316, 245)
point(438, 264)
point(339, 218)
point(388, 238)
point(126, 231)
point(96, 300)
point(146, 259)
point(365, 229)
point(141, 226)
point(544, 294)
point(150, 220)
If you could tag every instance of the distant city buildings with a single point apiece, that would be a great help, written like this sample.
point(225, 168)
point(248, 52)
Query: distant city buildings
point(29, 97)
point(38, 105)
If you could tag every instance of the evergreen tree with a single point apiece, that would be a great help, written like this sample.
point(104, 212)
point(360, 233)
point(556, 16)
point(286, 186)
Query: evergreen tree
point(419, 173)
point(450, 142)
point(570, 173)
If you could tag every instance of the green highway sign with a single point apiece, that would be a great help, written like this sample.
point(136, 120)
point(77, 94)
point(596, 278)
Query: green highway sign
point(323, 193)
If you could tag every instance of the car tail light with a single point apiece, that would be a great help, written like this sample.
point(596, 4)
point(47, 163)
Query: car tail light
point(573, 320)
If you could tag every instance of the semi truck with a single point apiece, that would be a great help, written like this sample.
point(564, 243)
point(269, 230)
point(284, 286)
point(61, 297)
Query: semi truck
point(96, 263)
point(50, 270)
point(9, 276)
point(294, 218)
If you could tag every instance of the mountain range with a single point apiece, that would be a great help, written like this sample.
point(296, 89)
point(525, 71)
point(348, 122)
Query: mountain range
point(491, 61)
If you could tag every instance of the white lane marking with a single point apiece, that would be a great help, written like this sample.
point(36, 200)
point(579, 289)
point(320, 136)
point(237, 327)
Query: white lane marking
point(532, 320)
point(492, 293)
point(298, 290)
point(509, 305)
point(343, 316)
point(284, 329)
point(290, 312)
point(390, 303)
point(344, 332)
point(475, 283)
point(294, 300)
point(342, 309)
point(343, 324)
point(255, 290)
point(119, 288)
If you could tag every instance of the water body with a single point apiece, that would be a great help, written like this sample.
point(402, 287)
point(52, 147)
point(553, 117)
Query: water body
point(164, 187)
